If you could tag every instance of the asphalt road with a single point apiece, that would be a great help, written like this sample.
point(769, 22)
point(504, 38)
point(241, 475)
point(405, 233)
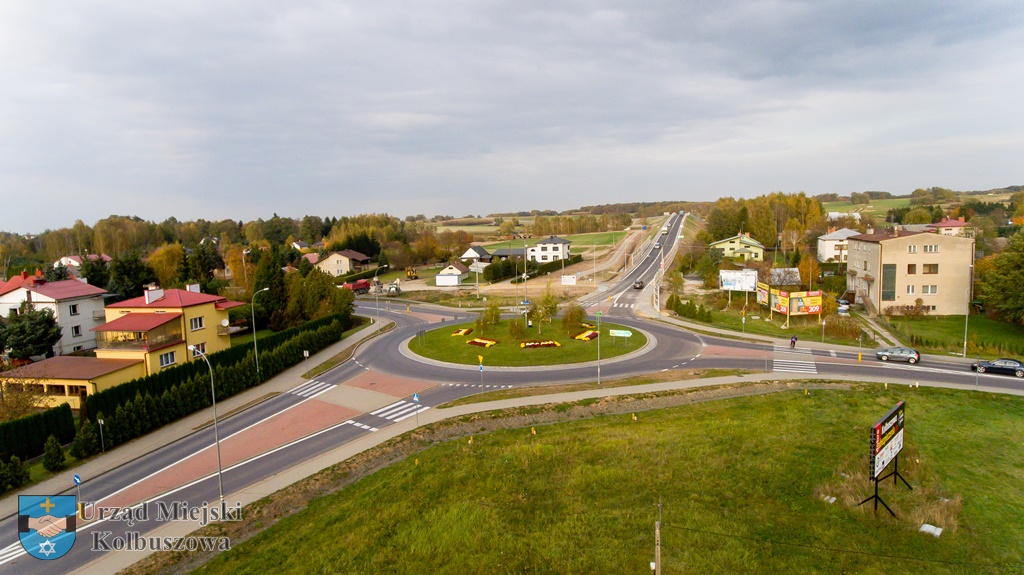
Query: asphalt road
point(669, 348)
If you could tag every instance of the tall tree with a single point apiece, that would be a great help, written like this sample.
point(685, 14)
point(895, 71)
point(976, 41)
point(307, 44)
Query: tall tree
point(1000, 288)
point(95, 271)
point(129, 275)
point(29, 332)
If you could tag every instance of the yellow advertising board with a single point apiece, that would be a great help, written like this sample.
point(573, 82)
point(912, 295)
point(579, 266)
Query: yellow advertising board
point(805, 303)
point(779, 301)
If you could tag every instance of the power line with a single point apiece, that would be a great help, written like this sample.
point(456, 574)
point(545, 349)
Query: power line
point(849, 551)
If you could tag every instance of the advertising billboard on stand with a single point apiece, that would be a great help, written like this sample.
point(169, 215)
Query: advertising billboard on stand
point(886, 439)
point(804, 303)
point(738, 280)
point(762, 293)
point(779, 301)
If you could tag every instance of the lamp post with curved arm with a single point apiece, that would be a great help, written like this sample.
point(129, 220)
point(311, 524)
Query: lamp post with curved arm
point(256, 350)
point(216, 434)
point(376, 293)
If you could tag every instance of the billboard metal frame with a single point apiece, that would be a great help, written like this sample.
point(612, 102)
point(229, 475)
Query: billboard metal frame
point(886, 444)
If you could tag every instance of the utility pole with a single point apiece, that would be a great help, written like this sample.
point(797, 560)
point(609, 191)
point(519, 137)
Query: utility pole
point(657, 543)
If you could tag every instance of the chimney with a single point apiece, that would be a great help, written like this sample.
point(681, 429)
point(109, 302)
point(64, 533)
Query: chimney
point(960, 219)
point(870, 230)
point(192, 288)
point(153, 294)
point(831, 230)
point(24, 275)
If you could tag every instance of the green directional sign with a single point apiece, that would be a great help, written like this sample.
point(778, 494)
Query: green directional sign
point(619, 332)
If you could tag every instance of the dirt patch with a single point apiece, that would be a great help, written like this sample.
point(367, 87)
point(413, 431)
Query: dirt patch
point(264, 513)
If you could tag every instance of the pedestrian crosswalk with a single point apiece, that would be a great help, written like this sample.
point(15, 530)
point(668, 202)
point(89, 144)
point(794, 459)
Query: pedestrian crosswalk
point(478, 385)
point(791, 363)
point(360, 425)
point(312, 389)
point(626, 305)
point(399, 410)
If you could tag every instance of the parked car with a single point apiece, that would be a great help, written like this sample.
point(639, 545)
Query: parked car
point(1003, 365)
point(898, 354)
point(638, 284)
point(843, 301)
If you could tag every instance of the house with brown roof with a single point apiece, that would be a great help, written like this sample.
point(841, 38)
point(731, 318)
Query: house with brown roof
point(343, 262)
point(957, 227)
point(77, 306)
point(892, 269)
point(67, 379)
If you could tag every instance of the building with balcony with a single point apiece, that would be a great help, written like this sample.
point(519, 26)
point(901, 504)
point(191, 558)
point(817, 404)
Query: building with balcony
point(896, 269)
point(77, 306)
point(549, 250)
point(158, 327)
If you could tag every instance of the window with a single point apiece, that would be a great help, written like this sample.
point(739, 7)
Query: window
point(888, 282)
point(77, 348)
point(543, 248)
point(76, 330)
point(930, 290)
point(911, 269)
point(931, 249)
point(166, 359)
point(910, 290)
point(911, 249)
point(73, 309)
point(930, 268)
point(545, 258)
point(199, 348)
point(196, 323)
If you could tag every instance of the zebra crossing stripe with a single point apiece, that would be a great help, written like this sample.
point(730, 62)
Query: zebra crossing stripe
point(388, 409)
point(786, 349)
point(410, 414)
point(360, 425)
point(794, 366)
point(312, 388)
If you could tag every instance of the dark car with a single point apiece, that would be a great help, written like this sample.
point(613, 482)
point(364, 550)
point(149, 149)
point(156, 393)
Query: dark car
point(638, 284)
point(1004, 366)
point(898, 354)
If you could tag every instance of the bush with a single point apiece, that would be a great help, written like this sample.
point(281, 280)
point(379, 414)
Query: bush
point(85, 443)
point(572, 320)
point(516, 328)
point(12, 475)
point(53, 455)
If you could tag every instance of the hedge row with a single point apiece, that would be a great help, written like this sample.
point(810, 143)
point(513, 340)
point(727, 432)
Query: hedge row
point(155, 385)
point(146, 411)
point(548, 267)
point(25, 437)
point(365, 274)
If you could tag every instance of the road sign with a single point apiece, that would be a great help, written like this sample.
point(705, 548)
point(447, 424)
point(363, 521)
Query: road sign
point(620, 333)
point(78, 480)
point(416, 397)
point(481, 368)
point(598, 314)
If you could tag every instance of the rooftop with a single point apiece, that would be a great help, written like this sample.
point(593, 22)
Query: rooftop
point(65, 289)
point(70, 367)
point(841, 234)
point(138, 322)
point(177, 299)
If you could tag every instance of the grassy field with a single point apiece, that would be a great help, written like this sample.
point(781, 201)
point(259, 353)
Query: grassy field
point(440, 345)
point(985, 337)
point(741, 481)
point(581, 240)
point(876, 208)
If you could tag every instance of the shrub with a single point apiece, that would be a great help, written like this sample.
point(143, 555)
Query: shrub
point(573, 318)
point(516, 328)
point(85, 443)
point(53, 455)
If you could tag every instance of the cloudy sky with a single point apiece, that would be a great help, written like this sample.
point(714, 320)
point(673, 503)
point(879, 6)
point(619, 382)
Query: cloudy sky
point(245, 109)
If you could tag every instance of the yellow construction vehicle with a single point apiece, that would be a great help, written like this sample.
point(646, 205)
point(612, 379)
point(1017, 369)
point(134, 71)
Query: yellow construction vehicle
point(410, 273)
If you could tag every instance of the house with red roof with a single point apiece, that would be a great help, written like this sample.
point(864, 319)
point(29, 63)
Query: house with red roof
point(74, 263)
point(159, 326)
point(957, 227)
point(77, 306)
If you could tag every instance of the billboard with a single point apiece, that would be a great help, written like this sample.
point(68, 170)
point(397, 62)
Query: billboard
point(762, 293)
point(738, 280)
point(779, 301)
point(886, 439)
point(804, 302)
point(568, 280)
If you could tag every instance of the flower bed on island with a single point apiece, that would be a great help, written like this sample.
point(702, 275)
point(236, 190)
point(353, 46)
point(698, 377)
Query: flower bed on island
point(545, 343)
point(482, 342)
point(586, 336)
point(463, 331)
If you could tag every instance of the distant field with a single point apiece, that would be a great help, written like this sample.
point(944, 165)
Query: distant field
point(742, 482)
point(876, 209)
point(580, 240)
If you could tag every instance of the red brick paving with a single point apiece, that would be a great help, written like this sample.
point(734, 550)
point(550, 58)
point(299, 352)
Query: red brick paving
point(388, 384)
point(726, 351)
point(300, 421)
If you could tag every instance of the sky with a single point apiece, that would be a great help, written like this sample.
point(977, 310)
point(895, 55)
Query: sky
point(224, 109)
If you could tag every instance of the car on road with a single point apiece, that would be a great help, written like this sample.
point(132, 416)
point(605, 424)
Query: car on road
point(898, 354)
point(657, 246)
point(638, 284)
point(1003, 365)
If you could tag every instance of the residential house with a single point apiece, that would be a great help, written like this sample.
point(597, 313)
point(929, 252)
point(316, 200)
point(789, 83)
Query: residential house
point(452, 275)
point(312, 258)
point(77, 306)
point(833, 246)
point(897, 269)
point(741, 246)
point(957, 227)
point(507, 253)
point(66, 379)
point(158, 327)
point(343, 262)
point(476, 254)
point(300, 245)
point(550, 249)
point(74, 263)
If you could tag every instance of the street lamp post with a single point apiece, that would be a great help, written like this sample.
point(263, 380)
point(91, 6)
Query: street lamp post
point(255, 350)
point(598, 348)
point(216, 433)
point(376, 294)
point(967, 312)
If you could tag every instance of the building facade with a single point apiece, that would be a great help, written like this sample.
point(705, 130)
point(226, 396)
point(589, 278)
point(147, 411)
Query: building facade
point(741, 246)
point(891, 270)
point(551, 249)
point(77, 306)
point(834, 246)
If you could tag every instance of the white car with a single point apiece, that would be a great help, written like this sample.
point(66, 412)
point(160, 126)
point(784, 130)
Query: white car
point(657, 246)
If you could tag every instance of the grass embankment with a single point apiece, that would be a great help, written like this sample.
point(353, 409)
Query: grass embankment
point(439, 344)
point(741, 480)
point(805, 328)
point(532, 391)
point(345, 353)
point(985, 337)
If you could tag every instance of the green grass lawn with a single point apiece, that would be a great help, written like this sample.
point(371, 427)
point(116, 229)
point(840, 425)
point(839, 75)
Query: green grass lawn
point(876, 208)
point(943, 334)
point(245, 337)
point(741, 481)
point(581, 240)
point(440, 345)
point(805, 328)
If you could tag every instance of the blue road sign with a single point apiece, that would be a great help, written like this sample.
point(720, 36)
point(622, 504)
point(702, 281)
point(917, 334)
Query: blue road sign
point(416, 397)
point(78, 480)
point(481, 367)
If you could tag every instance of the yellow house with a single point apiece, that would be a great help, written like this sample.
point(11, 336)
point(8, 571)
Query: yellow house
point(741, 246)
point(65, 379)
point(158, 327)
